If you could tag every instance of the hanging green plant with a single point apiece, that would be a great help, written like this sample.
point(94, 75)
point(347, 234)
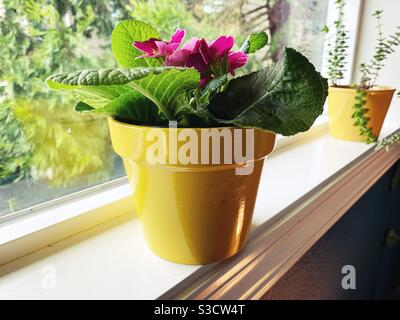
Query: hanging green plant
point(359, 115)
point(369, 75)
point(390, 141)
point(370, 101)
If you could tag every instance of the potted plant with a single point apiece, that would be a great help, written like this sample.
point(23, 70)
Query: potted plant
point(181, 122)
point(357, 112)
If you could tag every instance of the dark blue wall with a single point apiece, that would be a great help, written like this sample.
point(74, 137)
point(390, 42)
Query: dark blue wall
point(357, 239)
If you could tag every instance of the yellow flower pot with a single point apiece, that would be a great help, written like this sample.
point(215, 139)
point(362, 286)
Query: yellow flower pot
point(340, 109)
point(190, 213)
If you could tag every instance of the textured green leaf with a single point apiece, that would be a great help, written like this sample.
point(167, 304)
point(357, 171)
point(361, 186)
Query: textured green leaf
point(212, 88)
point(165, 86)
point(124, 34)
point(133, 107)
point(254, 42)
point(215, 84)
point(285, 98)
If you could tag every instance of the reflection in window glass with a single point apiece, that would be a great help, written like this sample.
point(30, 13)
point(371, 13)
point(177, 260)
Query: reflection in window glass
point(48, 151)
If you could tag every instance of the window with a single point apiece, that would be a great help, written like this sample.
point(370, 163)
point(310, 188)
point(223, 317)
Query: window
point(46, 150)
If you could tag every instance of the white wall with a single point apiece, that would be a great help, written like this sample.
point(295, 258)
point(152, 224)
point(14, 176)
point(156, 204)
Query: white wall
point(390, 75)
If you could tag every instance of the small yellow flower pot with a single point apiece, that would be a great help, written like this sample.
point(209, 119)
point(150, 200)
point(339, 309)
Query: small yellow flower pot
point(190, 213)
point(340, 109)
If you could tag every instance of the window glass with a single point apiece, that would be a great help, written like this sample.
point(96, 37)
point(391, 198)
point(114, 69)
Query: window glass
point(48, 151)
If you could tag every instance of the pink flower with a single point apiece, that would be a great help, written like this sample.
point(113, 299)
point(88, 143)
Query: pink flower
point(155, 48)
point(210, 59)
point(180, 56)
point(236, 60)
point(218, 48)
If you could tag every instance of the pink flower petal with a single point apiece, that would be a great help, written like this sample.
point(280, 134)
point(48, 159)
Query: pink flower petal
point(203, 81)
point(178, 36)
point(236, 60)
point(205, 51)
point(191, 46)
point(147, 55)
point(180, 56)
point(177, 59)
point(196, 61)
point(221, 46)
point(171, 48)
point(163, 49)
point(149, 46)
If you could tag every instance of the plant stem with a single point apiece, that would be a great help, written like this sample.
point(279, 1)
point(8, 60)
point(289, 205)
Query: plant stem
point(337, 54)
point(385, 47)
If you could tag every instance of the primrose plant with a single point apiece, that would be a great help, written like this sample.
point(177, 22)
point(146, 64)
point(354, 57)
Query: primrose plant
point(194, 83)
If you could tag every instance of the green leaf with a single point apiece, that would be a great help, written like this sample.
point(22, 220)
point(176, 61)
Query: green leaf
point(166, 87)
point(83, 107)
point(285, 98)
point(211, 88)
point(215, 84)
point(133, 107)
point(254, 42)
point(124, 34)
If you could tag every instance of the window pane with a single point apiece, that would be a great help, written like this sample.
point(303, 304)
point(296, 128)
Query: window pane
point(48, 151)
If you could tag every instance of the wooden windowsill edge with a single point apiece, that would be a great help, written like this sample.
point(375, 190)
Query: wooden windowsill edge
point(276, 245)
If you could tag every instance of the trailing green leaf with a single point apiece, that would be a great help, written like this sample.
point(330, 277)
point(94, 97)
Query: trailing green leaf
point(286, 98)
point(123, 36)
point(359, 114)
point(165, 86)
point(254, 42)
point(389, 142)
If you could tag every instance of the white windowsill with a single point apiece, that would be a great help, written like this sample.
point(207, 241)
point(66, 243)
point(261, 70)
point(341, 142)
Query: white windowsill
point(115, 263)
point(69, 209)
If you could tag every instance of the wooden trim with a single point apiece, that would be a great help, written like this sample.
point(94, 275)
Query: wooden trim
point(275, 246)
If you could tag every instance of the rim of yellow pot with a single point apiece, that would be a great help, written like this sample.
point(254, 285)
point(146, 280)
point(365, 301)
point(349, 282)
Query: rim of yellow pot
point(373, 90)
point(264, 145)
point(126, 124)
